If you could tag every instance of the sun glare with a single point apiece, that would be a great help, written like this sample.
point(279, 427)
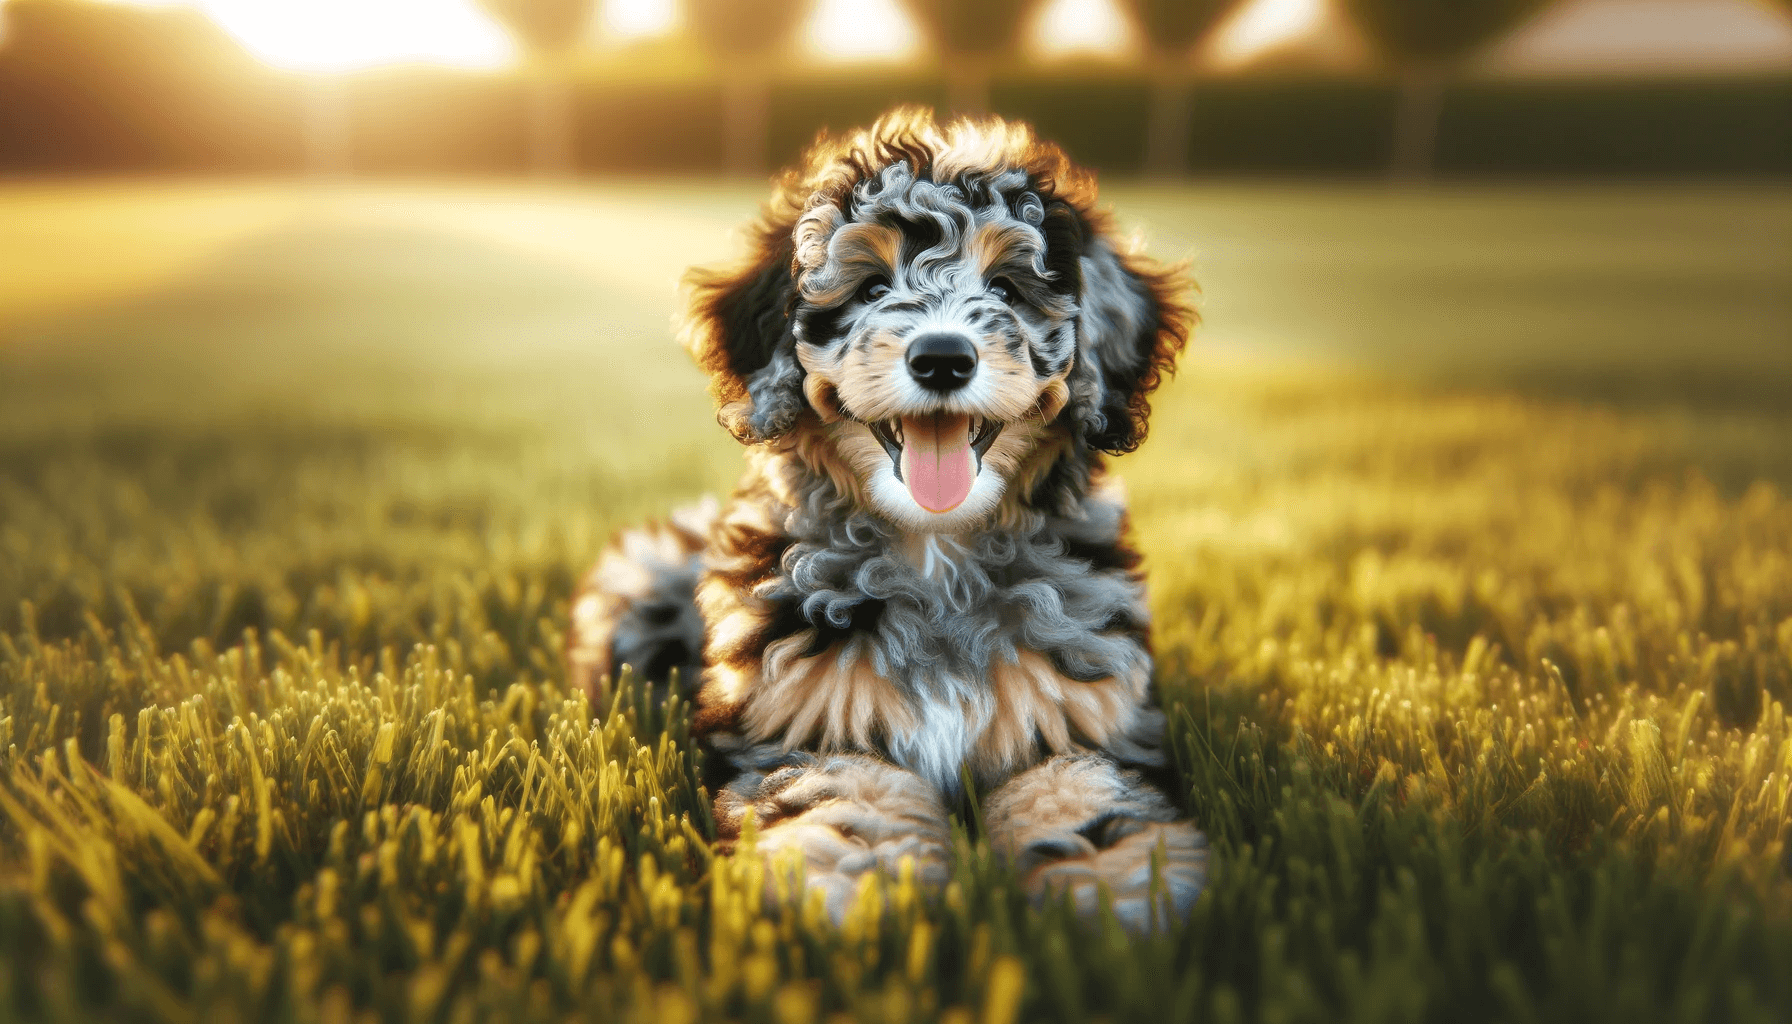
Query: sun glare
point(1069, 28)
point(349, 35)
point(860, 30)
point(637, 19)
point(1263, 25)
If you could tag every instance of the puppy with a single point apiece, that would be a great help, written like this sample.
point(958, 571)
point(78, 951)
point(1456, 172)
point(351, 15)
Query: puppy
point(924, 576)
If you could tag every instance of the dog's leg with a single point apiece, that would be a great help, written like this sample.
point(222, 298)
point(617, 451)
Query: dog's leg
point(638, 606)
point(1081, 823)
point(847, 814)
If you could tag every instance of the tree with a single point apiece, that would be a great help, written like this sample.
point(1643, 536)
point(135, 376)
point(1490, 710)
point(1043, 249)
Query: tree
point(1171, 29)
point(546, 31)
point(88, 86)
point(970, 35)
point(743, 36)
point(1425, 40)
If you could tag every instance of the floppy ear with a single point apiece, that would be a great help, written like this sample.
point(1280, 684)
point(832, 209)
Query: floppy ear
point(737, 327)
point(1134, 321)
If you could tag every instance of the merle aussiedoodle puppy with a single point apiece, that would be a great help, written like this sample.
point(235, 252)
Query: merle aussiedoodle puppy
point(924, 574)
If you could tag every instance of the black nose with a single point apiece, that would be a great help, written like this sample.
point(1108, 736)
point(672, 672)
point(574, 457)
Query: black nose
point(942, 361)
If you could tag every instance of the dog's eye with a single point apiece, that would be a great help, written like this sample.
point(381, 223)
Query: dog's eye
point(1003, 289)
point(874, 288)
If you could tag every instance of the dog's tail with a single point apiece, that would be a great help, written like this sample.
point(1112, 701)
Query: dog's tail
point(638, 606)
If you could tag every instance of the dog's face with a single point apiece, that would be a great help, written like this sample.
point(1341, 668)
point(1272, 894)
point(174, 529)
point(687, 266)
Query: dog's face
point(935, 325)
point(943, 320)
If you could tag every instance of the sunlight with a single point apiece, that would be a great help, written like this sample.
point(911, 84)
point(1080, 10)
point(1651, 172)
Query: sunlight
point(1066, 28)
point(1263, 25)
point(344, 35)
point(350, 35)
point(857, 30)
point(638, 19)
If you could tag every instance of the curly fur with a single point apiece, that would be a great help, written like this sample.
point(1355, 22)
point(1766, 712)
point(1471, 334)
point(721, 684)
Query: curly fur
point(1134, 319)
point(862, 651)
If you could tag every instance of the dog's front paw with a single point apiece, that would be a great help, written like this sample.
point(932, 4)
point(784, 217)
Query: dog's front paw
point(843, 816)
point(1083, 825)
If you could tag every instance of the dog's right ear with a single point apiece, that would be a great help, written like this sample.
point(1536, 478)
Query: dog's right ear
point(737, 327)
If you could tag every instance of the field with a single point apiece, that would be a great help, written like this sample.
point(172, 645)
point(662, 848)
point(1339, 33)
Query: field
point(1470, 546)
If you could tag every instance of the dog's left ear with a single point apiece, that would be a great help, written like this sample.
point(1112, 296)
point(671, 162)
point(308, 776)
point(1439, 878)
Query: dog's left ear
point(737, 327)
point(1135, 319)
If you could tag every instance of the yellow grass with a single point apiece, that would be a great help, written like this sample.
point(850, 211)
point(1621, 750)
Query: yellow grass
point(1477, 643)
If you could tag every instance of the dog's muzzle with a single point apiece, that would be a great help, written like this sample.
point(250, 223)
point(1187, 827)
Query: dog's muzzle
point(937, 455)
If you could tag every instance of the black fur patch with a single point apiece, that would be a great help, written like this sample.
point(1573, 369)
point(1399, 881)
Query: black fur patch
point(1061, 486)
point(1063, 231)
point(754, 315)
point(789, 619)
point(1103, 557)
point(918, 236)
point(821, 325)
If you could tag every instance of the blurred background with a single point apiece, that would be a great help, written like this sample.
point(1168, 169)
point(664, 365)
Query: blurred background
point(1332, 88)
point(215, 210)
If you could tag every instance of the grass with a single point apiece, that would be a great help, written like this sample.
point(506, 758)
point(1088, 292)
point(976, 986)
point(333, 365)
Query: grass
point(1476, 632)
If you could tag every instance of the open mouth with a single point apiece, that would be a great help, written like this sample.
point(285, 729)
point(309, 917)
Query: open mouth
point(937, 455)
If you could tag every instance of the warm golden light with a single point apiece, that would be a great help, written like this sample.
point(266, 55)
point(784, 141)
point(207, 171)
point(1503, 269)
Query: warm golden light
point(349, 35)
point(852, 30)
point(637, 19)
point(1067, 28)
point(1262, 26)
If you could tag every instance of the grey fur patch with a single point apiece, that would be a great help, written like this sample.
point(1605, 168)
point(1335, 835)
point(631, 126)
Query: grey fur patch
point(777, 393)
point(1115, 316)
point(663, 632)
point(642, 600)
point(978, 598)
point(975, 601)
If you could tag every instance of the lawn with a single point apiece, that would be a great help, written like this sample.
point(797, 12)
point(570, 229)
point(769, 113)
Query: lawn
point(1469, 539)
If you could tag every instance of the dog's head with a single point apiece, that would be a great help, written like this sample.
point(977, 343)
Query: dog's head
point(937, 316)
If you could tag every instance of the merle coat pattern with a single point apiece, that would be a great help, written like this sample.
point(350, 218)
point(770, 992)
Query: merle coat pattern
point(924, 574)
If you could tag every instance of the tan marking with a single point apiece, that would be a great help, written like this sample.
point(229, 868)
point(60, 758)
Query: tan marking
point(731, 610)
point(869, 245)
point(1053, 397)
point(868, 379)
point(838, 450)
point(731, 631)
point(990, 245)
point(853, 251)
point(594, 618)
point(1033, 699)
point(834, 700)
point(727, 684)
point(823, 397)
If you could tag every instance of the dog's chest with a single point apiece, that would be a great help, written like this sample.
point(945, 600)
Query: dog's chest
point(971, 658)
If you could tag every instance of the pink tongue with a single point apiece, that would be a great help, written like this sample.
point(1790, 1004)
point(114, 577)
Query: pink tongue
point(937, 463)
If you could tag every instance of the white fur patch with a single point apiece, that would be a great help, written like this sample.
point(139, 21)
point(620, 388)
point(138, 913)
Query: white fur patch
point(949, 730)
